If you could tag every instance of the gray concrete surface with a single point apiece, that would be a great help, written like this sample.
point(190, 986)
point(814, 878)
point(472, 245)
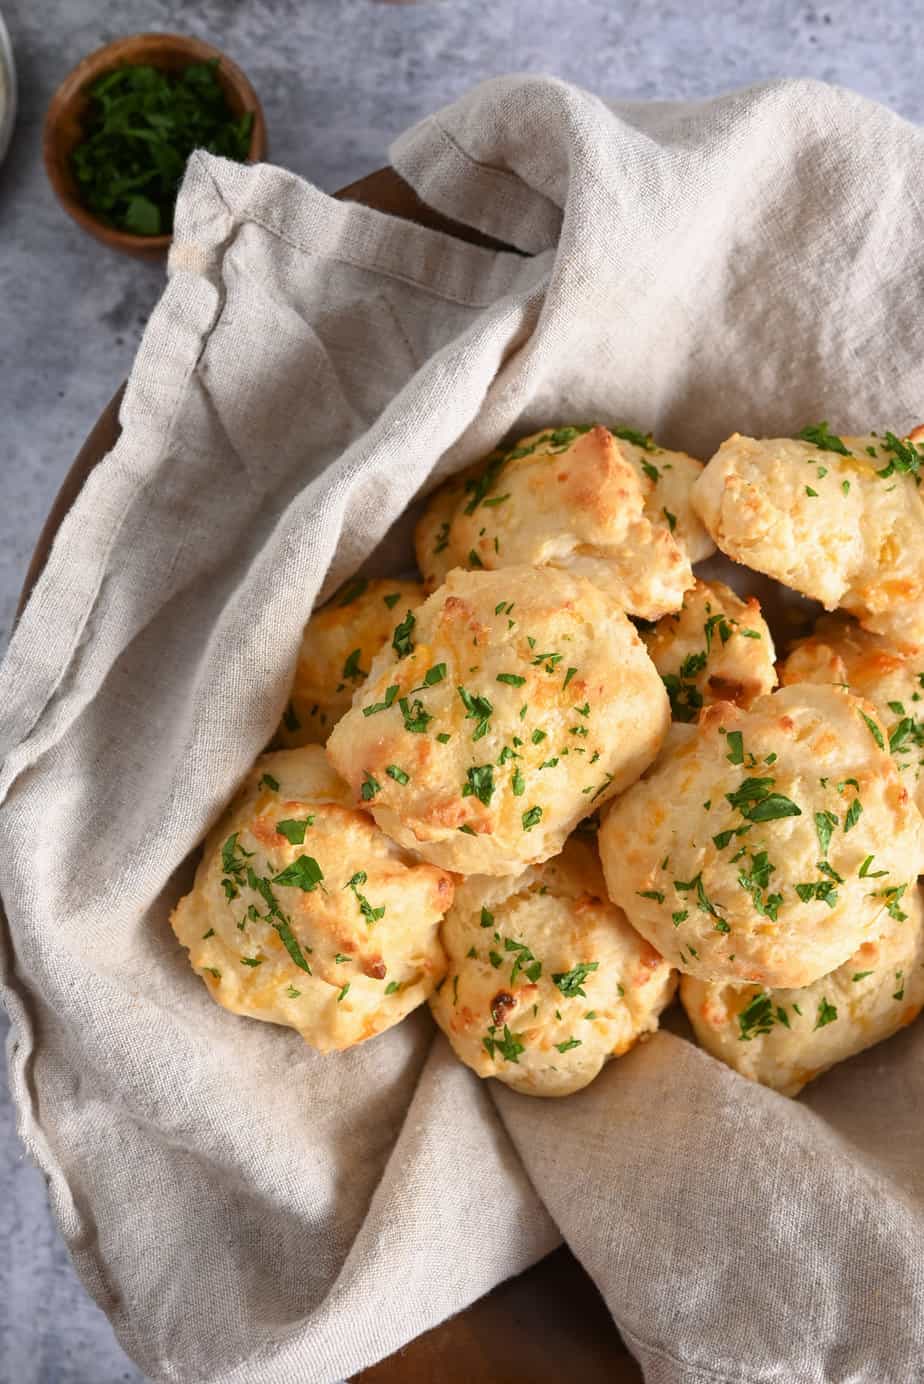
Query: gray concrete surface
point(337, 80)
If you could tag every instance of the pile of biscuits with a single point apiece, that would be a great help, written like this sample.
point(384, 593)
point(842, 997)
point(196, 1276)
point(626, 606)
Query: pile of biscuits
point(563, 772)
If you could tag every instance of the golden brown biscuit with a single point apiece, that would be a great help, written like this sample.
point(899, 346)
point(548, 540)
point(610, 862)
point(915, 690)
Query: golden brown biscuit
point(501, 712)
point(716, 649)
point(338, 645)
point(840, 652)
point(843, 526)
point(303, 913)
point(785, 1038)
point(766, 845)
point(546, 979)
point(583, 500)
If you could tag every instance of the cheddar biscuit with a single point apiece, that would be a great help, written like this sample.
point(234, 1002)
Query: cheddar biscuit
point(338, 645)
point(839, 651)
point(583, 500)
point(717, 648)
point(501, 712)
point(304, 913)
point(785, 1038)
point(839, 519)
point(766, 845)
point(546, 979)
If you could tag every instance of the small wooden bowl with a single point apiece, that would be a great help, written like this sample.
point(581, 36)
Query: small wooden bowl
point(64, 121)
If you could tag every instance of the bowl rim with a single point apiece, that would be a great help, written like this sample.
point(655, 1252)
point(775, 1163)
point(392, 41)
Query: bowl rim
point(105, 59)
point(8, 65)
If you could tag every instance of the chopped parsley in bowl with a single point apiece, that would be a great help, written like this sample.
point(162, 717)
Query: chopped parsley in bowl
point(141, 126)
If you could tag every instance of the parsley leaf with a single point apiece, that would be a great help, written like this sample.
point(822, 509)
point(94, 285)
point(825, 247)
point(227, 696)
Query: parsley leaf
point(825, 441)
point(304, 873)
point(570, 983)
point(292, 830)
point(401, 640)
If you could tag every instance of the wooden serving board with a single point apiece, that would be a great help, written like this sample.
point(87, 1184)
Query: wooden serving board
point(550, 1323)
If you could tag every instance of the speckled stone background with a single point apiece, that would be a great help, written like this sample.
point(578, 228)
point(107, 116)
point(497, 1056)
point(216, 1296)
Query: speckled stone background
point(338, 78)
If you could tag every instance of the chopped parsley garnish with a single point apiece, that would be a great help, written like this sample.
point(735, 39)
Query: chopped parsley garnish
point(756, 882)
point(390, 694)
point(292, 993)
point(480, 783)
point(477, 708)
point(518, 783)
point(825, 441)
point(703, 902)
point(304, 873)
point(812, 494)
point(399, 776)
point(474, 560)
point(290, 719)
point(735, 741)
point(860, 975)
point(671, 519)
point(865, 872)
point(568, 676)
point(392, 599)
point(531, 818)
point(756, 1018)
point(567, 1046)
point(639, 439)
point(370, 786)
point(717, 622)
point(509, 1047)
point(290, 942)
point(434, 675)
point(512, 679)
point(252, 960)
point(352, 591)
point(900, 986)
point(685, 697)
point(825, 822)
point(442, 539)
point(904, 457)
point(344, 992)
point(524, 961)
point(822, 889)
point(892, 897)
point(538, 736)
point(401, 640)
point(853, 814)
point(392, 987)
point(906, 729)
point(371, 915)
point(487, 918)
point(293, 831)
point(270, 782)
point(874, 730)
point(444, 738)
point(570, 983)
point(351, 668)
point(416, 716)
point(827, 1013)
point(757, 802)
point(480, 486)
point(651, 894)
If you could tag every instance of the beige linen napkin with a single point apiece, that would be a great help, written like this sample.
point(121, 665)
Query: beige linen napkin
point(242, 1208)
